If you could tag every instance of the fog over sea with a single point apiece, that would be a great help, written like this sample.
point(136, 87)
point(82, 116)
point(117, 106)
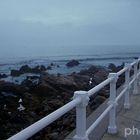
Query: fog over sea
point(94, 32)
point(87, 56)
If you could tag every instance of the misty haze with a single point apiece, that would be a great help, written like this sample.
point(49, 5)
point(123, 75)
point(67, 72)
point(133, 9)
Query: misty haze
point(51, 48)
point(34, 28)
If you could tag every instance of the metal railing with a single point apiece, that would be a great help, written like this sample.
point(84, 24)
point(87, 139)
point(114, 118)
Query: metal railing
point(80, 102)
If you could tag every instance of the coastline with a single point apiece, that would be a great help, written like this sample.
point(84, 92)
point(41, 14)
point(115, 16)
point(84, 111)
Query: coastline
point(43, 93)
point(86, 60)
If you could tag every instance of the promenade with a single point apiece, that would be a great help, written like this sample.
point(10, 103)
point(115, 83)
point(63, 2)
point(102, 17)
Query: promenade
point(128, 122)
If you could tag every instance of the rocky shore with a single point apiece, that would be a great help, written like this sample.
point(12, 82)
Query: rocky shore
point(37, 96)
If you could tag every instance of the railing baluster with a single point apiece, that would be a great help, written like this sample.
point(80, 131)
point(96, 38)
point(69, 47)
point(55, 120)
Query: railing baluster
point(135, 90)
point(127, 80)
point(112, 128)
point(81, 116)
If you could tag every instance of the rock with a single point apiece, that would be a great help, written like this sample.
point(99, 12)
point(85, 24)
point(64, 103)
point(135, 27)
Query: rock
point(136, 58)
point(15, 73)
point(52, 64)
point(115, 68)
point(39, 110)
point(90, 71)
point(49, 68)
point(60, 81)
point(82, 81)
point(112, 67)
point(27, 69)
point(100, 76)
point(72, 63)
point(3, 76)
point(44, 87)
point(42, 68)
point(38, 69)
point(8, 94)
point(11, 89)
point(55, 104)
point(31, 81)
point(53, 136)
point(66, 122)
point(99, 99)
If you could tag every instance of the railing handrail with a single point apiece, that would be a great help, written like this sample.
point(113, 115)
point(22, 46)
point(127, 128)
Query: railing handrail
point(99, 86)
point(36, 127)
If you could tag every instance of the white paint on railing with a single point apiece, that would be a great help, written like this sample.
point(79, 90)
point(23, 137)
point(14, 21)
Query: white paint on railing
point(81, 115)
point(132, 64)
point(127, 80)
point(99, 87)
point(139, 78)
point(122, 71)
point(112, 128)
point(80, 101)
point(136, 78)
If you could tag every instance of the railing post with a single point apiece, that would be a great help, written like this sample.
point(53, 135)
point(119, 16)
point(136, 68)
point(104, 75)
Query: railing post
point(135, 90)
point(112, 128)
point(81, 115)
point(127, 80)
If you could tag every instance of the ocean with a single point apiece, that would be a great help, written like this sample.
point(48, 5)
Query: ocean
point(86, 60)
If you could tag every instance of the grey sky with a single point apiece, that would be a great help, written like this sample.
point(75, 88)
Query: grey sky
point(33, 27)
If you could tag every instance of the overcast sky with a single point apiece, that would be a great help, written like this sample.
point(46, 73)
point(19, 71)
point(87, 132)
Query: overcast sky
point(42, 27)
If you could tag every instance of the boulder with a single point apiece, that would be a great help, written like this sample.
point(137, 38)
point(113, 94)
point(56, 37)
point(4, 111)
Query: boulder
point(90, 71)
point(49, 68)
point(15, 73)
point(72, 63)
point(38, 69)
point(59, 81)
point(11, 87)
point(99, 99)
point(27, 69)
point(42, 68)
point(31, 81)
point(3, 76)
point(52, 64)
point(100, 76)
point(115, 68)
point(112, 67)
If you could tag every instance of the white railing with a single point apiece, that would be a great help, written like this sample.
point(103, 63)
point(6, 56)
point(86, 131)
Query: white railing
point(80, 101)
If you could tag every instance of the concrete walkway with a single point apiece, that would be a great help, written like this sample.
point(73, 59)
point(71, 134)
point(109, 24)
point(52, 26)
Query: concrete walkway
point(128, 122)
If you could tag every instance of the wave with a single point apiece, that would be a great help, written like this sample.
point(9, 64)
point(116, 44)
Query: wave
point(66, 58)
point(102, 59)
